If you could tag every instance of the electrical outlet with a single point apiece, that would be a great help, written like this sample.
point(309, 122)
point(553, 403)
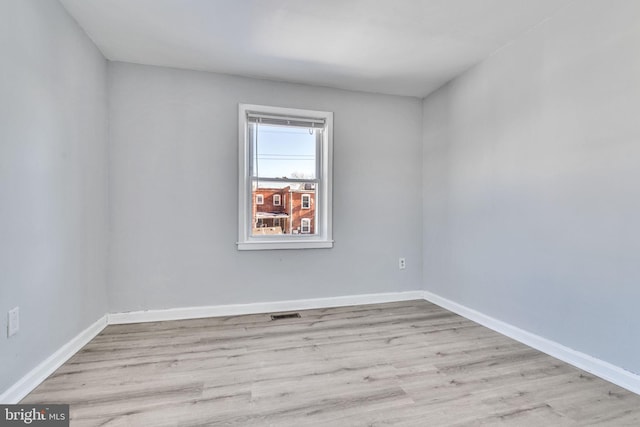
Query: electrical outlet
point(402, 263)
point(13, 325)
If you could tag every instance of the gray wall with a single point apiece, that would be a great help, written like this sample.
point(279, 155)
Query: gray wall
point(173, 193)
point(532, 183)
point(52, 182)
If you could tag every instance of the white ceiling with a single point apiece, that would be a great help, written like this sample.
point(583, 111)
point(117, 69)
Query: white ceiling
point(403, 47)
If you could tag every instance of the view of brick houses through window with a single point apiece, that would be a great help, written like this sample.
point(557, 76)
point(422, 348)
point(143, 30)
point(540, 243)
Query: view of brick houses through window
point(285, 178)
point(287, 210)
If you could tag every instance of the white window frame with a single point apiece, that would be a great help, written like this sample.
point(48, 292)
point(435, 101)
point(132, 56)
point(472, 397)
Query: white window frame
point(274, 200)
point(308, 196)
point(259, 199)
point(323, 237)
point(308, 222)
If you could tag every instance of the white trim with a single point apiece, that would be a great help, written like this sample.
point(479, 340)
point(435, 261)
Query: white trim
point(279, 200)
point(37, 375)
point(600, 368)
point(259, 199)
point(308, 196)
point(286, 244)
point(259, 307)
point(323, 237)
point(286, 118)
point(308, 222)
point(33, 378)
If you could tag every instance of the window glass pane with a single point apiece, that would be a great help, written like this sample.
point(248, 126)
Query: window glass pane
point(294, 216)
point(284, 152)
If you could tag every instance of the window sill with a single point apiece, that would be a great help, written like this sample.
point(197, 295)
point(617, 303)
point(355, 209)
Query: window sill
point(307, 244)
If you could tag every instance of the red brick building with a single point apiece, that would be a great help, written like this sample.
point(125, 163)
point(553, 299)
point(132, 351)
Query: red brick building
point(284, 210)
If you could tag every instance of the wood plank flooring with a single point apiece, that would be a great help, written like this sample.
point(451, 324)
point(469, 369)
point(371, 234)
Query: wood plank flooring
point(401, 364)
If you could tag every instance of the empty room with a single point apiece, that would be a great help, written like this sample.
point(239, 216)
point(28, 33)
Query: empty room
point(327, 213)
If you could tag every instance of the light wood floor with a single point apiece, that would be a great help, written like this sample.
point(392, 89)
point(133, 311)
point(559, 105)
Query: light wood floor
point(408, 363)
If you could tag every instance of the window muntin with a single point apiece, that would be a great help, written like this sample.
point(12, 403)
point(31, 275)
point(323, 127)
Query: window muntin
point(259, 199)
point(285, 152)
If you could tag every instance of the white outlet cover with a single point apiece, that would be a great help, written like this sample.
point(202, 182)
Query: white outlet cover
point(13, 321)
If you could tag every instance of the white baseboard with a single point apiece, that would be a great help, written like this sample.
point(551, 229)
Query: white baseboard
point(259, 307)
point(600, 368)
point(33, 378)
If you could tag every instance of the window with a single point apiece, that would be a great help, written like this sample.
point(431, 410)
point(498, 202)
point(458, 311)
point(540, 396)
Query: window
point(306, 201)
point(285, 151)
